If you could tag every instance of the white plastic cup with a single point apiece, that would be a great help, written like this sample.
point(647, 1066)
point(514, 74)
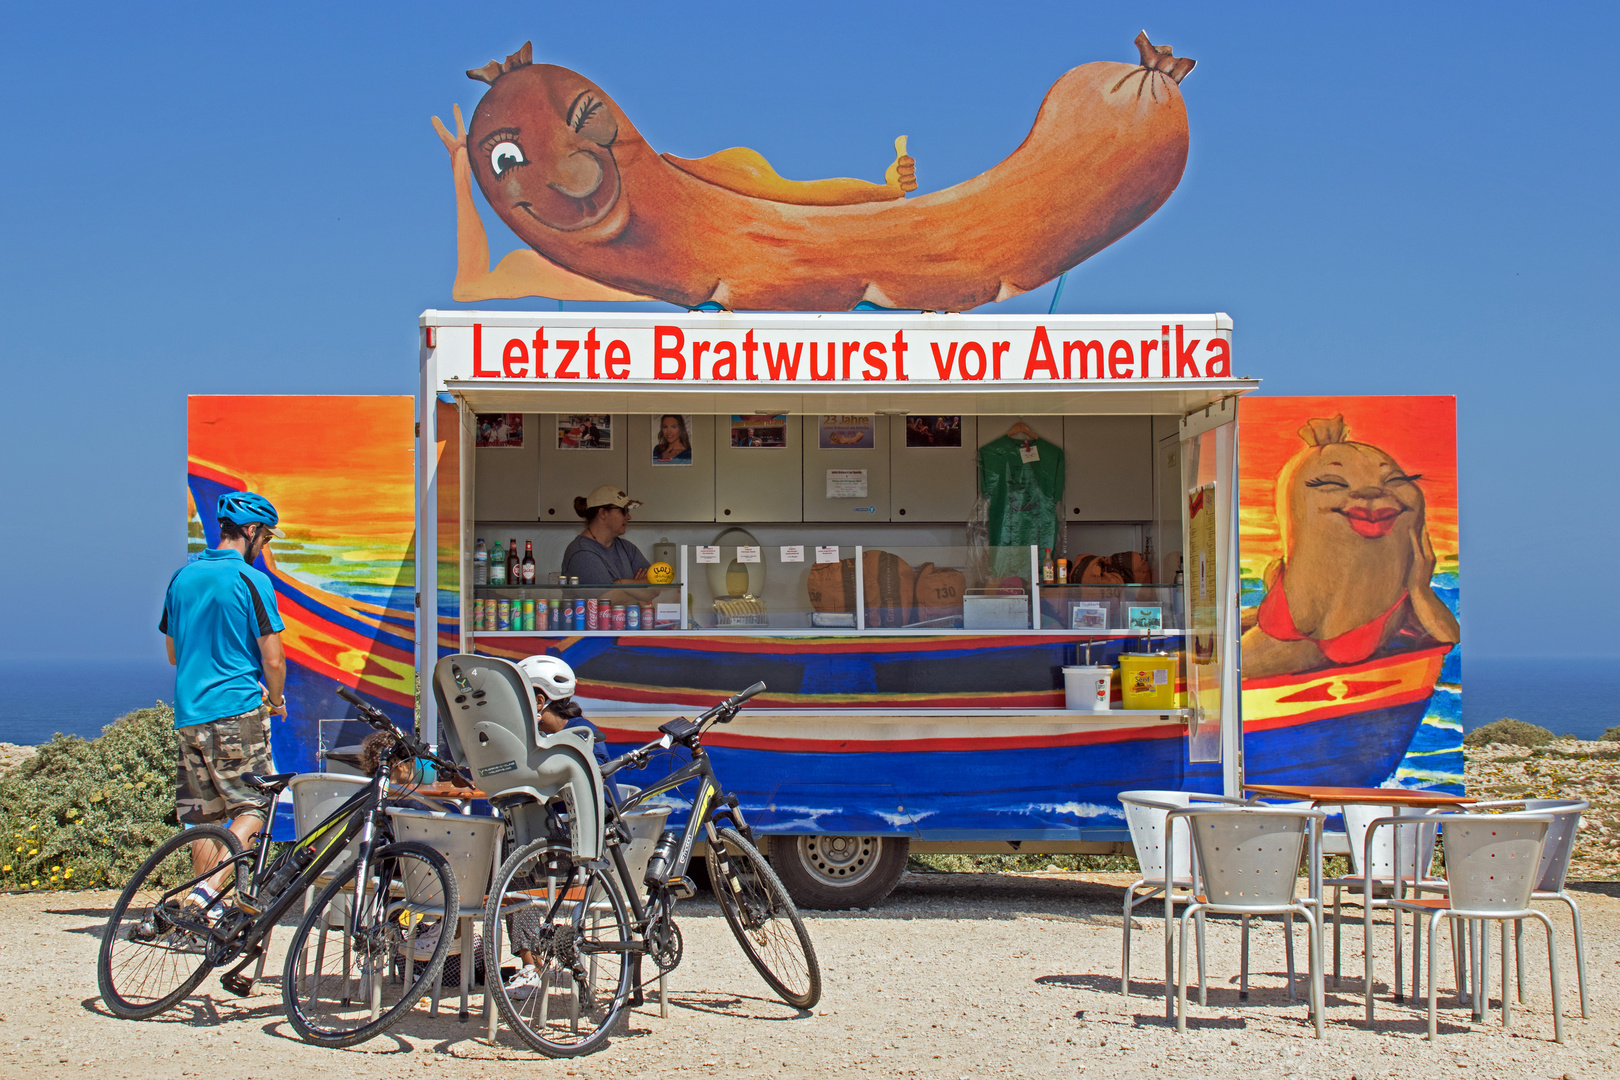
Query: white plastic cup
point(1087, 688)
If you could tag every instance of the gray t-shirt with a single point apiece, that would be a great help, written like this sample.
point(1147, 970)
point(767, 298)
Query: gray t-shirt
point(594, 564)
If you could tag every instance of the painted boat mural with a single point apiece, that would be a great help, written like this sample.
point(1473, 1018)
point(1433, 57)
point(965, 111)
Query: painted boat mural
point(957, 737)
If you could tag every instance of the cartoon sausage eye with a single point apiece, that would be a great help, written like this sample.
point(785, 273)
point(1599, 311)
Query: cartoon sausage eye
point(505, 155)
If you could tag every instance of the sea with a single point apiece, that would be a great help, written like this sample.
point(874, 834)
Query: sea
point(1576, 696)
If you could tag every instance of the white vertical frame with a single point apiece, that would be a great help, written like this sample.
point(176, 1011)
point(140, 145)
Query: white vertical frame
point(1035, 579)
point(686, 580)
point(427, 537)
point(860, 588)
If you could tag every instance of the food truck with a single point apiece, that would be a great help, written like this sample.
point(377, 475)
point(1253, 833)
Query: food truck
point(860, 510)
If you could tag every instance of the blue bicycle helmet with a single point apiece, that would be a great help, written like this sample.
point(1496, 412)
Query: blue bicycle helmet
point(247, 508)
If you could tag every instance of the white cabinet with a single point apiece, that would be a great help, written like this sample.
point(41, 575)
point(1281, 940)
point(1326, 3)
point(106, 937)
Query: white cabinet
point(758, 483)
point(872, 460)
point(1109, 468)
point(567, 471)
point(672, 492)
point(929, 482)
point(507, 484)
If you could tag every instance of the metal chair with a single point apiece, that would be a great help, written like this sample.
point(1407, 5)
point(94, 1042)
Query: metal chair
point(469, 844)
point(1493, 866)
point(1246, 862)
point(1145, 814)
point(1373, 870)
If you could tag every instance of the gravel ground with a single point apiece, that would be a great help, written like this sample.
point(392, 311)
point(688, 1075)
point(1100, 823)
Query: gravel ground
point(958, 975)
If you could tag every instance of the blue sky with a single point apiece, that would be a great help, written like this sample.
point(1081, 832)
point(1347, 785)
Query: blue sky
point(1396, 199)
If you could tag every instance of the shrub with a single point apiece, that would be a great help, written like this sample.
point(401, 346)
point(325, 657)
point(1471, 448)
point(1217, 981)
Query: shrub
point(1610, 734)
point(1512, 732)
point(999, 864)
point(84, 814)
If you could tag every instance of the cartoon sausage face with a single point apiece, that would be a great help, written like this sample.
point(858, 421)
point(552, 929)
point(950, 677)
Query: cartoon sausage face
point(1337, 494)
point(571, 176)
point(541, 146)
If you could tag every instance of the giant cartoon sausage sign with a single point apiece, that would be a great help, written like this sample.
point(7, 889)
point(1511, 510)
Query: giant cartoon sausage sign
point(607, 218)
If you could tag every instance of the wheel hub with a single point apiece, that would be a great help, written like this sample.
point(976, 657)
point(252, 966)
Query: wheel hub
point(840, 860)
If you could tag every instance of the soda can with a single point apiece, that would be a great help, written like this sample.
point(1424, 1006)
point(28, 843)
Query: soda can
point(503, 614)
point(647, 617)
point(553, 614)
point(528, 614)
point(632, 617)
point(619, 617)
point(592, 615)
point(478, 614)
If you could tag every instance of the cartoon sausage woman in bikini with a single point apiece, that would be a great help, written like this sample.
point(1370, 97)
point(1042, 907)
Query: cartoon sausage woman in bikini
point(608, 218)
point(1356, 564)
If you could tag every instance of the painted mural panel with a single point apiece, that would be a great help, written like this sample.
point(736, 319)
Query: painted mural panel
point(340, 471)
point(606, 217)
point(1349, 542)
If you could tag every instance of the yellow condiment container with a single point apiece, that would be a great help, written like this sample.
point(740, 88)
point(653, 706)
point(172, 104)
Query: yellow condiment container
point(1147, 680)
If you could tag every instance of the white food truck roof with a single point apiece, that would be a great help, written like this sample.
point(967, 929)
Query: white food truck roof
point(748, 362)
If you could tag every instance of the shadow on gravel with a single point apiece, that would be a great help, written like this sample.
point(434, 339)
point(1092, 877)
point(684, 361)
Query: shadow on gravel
point(1602, 888)
point(201, 1012)
point(734, 1005)
point(102, 913)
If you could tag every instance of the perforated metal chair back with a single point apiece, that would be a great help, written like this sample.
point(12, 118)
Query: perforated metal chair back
point(491, 727)
point(1493, 860)
point(1417, 841)
point(1148, 834)
point(317, 796)
point(467, 843)
point(1250, 857)
point(646, 824)
point(1560, 843)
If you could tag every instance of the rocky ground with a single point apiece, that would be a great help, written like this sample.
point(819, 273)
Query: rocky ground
point(957, 975)
point(12, 755)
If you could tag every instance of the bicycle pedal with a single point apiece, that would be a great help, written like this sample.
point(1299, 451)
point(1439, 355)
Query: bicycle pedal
point(238, 984)
point(684, 889)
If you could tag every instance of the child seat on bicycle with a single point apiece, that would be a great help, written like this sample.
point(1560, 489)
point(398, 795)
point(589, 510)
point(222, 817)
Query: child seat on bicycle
point(490, 726)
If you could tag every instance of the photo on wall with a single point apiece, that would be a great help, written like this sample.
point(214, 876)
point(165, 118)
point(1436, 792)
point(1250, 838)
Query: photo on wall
point(759, 430)
point(847, 433)
point(672, 439)
point(499, 430)
point(937, 431)
point(585, 431)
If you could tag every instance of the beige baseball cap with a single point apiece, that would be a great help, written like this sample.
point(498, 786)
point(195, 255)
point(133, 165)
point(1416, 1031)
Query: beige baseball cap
point(608, 495)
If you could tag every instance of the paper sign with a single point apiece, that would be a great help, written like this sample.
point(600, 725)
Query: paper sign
point(747, 554)
point(846, 483)
point(1028, 454)
point(669, 615)
point(827, 554)
point(708, 554)
point(793, 553)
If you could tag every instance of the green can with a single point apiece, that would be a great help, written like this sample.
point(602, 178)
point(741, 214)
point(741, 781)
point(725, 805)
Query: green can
point(528, 614)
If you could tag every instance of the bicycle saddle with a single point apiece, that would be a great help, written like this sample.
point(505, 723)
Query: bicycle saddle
point(489, 725)
point(270, 782)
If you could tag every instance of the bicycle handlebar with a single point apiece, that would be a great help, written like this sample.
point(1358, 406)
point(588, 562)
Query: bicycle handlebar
point(375, 717)
point(726, 711)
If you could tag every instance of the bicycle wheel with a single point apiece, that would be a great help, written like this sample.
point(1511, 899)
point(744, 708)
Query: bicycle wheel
point(342, 985)
point(153, 953)
point(762, 916)
point(575, 926)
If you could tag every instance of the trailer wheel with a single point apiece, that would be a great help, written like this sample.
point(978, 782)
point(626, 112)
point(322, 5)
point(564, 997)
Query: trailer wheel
point(831, 872)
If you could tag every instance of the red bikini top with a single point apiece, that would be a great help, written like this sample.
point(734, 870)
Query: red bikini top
point(1350, 647)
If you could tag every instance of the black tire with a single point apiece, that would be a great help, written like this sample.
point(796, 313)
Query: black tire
point(340, 990)
point(762, 916)
point(835, 872)
point(147, 962)
point(590, 922)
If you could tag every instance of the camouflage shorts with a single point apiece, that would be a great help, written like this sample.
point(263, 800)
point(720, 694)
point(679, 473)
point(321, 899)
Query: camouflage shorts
point(213, 757)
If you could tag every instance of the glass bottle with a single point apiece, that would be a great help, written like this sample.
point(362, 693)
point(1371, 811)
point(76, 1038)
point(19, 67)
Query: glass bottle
point(514, 563)
point(528, 562)
point(1048, 570)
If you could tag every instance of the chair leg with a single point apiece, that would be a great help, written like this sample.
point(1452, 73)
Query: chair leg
point(1417, 955)
point(1459, 970)
point(1366, 955)
point(1288, 948)
point(1434, 929)
point(1125, 951)
point(467, 955)
point(1483, 1004)
point(490, 1013)
point(1552, 974)
point(1580, 948)
point(1243, 960)
point(1336, 891)
point(1518, 952)
point(1181, 967)
point(1399, 985)
point(1314, 991)
point(1203, 983)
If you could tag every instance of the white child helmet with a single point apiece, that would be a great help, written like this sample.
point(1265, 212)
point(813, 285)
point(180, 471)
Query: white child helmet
point(550, 675)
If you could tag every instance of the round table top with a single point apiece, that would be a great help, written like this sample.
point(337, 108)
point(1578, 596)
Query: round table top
point(1339, 796)
point(448, 791)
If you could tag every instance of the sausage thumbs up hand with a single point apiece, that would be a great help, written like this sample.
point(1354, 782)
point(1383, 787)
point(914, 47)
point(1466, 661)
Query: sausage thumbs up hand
point(903, 173)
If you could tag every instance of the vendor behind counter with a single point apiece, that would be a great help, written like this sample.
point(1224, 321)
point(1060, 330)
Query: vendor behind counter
point(600, 555)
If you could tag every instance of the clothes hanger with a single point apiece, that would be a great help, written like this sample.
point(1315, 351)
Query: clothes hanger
point(1022, 431)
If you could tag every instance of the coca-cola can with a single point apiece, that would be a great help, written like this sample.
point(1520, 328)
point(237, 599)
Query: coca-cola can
point(593, 617)
point(618, 617)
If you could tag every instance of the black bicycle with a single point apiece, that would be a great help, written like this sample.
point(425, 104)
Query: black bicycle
point(369, 947)
point(587, 926)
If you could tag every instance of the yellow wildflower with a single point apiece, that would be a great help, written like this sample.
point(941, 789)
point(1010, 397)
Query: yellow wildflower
point(6, 868)
point(35, 851)
point(65, 873)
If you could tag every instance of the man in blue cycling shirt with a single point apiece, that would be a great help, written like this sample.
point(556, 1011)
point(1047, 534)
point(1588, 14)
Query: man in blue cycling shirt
point(223, 634)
